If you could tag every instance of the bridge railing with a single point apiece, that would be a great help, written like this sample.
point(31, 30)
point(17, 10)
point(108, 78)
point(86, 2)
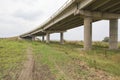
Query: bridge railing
point(57, 12)
point(62, 7)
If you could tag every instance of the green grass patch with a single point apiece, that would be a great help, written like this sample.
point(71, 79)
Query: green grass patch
point(12, 54)
point(62, 58)
point(65, 62)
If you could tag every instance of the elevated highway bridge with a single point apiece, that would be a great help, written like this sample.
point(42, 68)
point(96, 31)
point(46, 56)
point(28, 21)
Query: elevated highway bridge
point(76, 13)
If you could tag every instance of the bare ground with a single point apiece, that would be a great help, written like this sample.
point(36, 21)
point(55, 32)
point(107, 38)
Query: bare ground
point(42, 73)
point(31, 71)
point(26, 73)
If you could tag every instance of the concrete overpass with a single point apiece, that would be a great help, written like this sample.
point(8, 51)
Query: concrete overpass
point(81, 12)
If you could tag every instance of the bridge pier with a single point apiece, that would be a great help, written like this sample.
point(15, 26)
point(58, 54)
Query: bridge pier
point(33, 38)
point(47, 38)
point(87, 33)
point(113, 42)
point(62, 38)
point(43, 38)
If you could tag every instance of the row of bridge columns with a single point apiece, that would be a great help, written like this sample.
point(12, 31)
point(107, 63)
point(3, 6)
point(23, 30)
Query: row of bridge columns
point(48, 38)
point(113, 34)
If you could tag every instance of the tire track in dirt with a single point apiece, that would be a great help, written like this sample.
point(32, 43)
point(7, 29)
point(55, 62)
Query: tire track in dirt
point(42, 71)
point(27, 71)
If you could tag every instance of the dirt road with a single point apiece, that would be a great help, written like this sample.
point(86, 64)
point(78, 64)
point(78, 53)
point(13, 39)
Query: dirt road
point(27, 71)
point(31, 71)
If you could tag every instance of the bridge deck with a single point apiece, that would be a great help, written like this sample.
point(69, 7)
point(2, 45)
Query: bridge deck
point(66, 18)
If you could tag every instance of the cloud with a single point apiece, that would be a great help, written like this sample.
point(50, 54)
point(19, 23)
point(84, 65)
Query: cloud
point(28, 15)
point(29, 2)
point(20, 16)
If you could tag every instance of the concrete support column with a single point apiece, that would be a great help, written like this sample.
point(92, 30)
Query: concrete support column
point(87, 33)
point(33, 38)
point(47, 38)
point(43, 38)
point(62, 38)
point(113, 42)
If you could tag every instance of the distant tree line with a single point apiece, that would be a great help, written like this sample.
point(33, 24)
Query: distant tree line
point(106, 39)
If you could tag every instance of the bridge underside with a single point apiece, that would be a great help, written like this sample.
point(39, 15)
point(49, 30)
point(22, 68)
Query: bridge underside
point(110, 6)
point(69, 22)
point(39, 34)
point(83, 12)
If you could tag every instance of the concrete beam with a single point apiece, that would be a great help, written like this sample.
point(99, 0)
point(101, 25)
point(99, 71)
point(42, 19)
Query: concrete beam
point(48, 38)
point(100, 4)
point(85, 3)
point(54, 31)
point(111, 5)
point(62, 38)
point(25, 35)
point(113, 42)
point(70, 24)
point(36, 32)
point(115, 9)
point(62, 17)
point(87, 33)
point(66, 20)
point(99, 15)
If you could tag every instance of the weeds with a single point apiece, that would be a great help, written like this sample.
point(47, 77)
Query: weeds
point(65, 62)
point(12, 54)
point(71, 59)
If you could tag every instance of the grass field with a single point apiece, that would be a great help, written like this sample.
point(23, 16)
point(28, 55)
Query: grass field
point(69, 62)
point(12, 54)
point(60, 62)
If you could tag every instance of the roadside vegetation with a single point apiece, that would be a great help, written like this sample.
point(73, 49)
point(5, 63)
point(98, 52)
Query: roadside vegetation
point(71, 62)
point(12, 54)
point(60, 62)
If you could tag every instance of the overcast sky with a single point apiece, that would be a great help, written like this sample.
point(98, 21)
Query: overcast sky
point(20, 16)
